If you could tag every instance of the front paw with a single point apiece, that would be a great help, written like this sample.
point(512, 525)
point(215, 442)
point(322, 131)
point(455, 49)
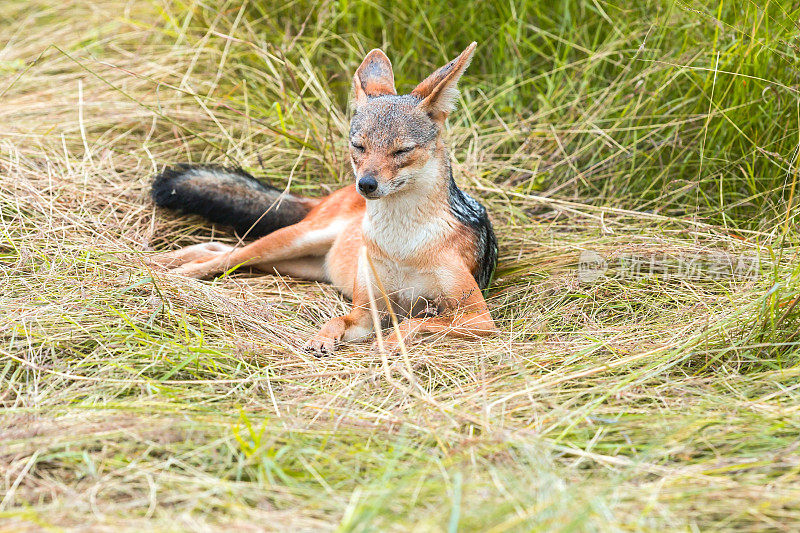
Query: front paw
point(321, 345)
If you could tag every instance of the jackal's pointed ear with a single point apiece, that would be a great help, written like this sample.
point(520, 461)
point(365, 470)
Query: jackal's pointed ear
point(439, 91)
point(374, 77)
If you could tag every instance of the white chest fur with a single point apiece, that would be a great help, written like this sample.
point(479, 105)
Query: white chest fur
point(408, 236)
point(404, 227)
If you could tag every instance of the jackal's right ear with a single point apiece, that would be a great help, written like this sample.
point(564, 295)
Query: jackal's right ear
point(374, 77)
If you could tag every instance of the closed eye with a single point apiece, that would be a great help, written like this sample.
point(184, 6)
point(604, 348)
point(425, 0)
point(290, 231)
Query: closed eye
point(357, 147)
point(402, 151)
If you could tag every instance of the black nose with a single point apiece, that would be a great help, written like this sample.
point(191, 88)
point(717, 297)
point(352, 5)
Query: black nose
point(367, 184)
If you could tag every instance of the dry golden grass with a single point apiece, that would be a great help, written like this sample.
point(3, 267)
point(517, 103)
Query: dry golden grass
point(137, 400)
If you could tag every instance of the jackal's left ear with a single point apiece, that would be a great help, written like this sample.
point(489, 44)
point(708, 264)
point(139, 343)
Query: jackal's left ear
point(374, 77)
point(439, 91)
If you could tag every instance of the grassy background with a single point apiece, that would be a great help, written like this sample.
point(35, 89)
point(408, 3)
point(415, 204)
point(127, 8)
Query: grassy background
point(666, 129)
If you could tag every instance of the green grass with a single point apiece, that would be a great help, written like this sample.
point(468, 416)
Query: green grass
point(137, 400)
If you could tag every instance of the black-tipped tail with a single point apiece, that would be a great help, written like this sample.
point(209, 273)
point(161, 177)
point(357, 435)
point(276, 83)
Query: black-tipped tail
point(229, 196)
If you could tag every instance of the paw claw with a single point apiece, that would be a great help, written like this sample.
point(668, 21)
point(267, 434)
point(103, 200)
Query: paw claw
point(320, 346)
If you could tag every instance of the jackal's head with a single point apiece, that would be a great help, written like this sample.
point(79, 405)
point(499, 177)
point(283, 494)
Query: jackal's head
point(395, 140)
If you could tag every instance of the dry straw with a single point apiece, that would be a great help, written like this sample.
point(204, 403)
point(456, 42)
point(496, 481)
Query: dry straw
point(136, 400)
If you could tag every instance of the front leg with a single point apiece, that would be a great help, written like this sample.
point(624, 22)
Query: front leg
point(354, 325)
point(466, 317)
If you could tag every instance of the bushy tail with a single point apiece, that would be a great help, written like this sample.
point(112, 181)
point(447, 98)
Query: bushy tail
point(229, 196)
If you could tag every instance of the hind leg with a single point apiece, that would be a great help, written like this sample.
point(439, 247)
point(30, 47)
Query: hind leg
point(188, 254)
point(310, 268)
point(289, 243)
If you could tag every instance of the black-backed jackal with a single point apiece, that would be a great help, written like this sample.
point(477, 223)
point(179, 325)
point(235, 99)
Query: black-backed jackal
point(430, 245)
